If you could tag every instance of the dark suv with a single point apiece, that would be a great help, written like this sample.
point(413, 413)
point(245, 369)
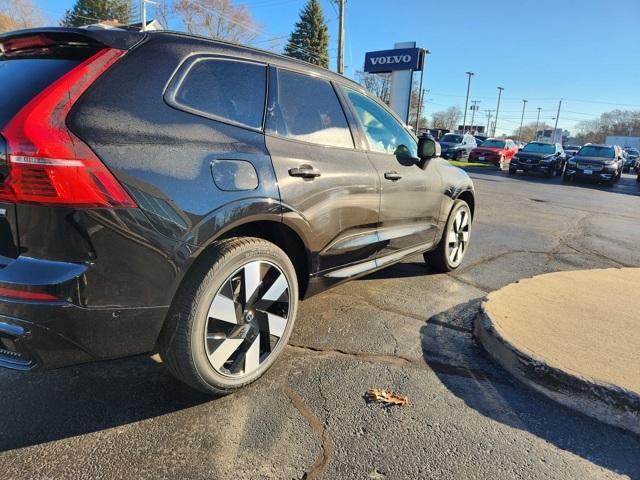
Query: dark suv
point(596, 162)
point(546, 158)
point(162, 191)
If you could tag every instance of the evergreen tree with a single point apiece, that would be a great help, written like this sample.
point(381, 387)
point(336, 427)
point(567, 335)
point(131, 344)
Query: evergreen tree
point(86, 12)
point(310, 39)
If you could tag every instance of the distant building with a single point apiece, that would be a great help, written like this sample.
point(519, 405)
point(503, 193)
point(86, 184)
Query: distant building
point(624, 142)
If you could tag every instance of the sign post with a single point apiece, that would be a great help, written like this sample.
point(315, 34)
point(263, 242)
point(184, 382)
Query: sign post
point(401, 62)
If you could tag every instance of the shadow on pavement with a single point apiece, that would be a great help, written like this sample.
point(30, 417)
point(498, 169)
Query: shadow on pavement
point(52, 405)
point(491, 391)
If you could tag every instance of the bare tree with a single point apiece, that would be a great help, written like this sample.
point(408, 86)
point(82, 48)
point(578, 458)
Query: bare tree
point(377, 83)
point(528, 133)
point(447, 119)
point(17, 14)
point(616, 122)
point(220, 19)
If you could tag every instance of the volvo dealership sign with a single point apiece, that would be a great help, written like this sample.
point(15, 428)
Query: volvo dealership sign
point(385, 61)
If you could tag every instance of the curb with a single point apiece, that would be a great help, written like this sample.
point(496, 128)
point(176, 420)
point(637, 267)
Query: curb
point(608, 403)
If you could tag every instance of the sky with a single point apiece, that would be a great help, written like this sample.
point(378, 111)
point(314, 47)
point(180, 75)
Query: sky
point(586, 52)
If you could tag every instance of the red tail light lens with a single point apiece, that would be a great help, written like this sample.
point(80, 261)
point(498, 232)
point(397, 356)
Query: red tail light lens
point(47, 163)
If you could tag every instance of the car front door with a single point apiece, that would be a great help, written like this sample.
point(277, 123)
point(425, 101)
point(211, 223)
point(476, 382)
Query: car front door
point(330, 190)
point(410, 198)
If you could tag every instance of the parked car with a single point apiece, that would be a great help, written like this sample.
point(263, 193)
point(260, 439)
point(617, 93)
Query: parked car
point(497, 151)
point(541, 157)
point(570, 150)
point(167, 192)
point(595, 162)
point(456, 145)
point(632, 160)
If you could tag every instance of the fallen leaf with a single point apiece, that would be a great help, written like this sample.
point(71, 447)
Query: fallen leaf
point(384, 396)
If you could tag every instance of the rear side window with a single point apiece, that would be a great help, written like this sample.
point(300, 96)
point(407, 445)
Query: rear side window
point(223, 90)
point(23, 78)
point(307, 109)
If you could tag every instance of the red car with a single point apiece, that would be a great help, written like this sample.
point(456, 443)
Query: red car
point(497, 151)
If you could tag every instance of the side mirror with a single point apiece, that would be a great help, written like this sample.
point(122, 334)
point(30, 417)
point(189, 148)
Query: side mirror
point(428, 148)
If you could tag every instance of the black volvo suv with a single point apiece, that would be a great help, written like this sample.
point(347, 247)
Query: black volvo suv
point(163, 192)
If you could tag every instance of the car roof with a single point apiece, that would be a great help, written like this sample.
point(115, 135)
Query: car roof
point(127, 39)
point(270, 57)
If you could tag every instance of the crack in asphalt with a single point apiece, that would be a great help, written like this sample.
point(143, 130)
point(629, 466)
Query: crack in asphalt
point(317, 426)
point(400, 361)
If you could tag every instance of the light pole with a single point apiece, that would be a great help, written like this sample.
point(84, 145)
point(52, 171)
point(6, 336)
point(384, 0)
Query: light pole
point(538, 121)
point(524, 104)
point(489, 113)
point(466, 102)
point(495, 123)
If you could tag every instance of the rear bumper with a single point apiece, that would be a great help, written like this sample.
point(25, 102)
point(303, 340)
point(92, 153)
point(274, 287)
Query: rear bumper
point(42, 325)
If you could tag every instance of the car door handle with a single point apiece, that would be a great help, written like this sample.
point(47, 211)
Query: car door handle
point(304, 171)
point(393, 176)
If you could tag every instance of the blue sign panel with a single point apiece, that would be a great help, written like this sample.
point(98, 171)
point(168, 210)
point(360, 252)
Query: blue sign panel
point(385, 61)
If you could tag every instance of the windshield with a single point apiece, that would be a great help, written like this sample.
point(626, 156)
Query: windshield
point(571, 147)
point(539, 148)
point(632, 151)
point(493, 143)
point(595, 151)
point(452, 138)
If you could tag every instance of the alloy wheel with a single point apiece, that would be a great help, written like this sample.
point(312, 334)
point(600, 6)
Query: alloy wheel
point(458, 237)
point(247, 317)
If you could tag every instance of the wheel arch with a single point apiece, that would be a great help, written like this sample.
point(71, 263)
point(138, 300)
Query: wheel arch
point(469, 198)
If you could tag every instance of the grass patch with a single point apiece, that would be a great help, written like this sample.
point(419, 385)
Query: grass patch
point(465, 164)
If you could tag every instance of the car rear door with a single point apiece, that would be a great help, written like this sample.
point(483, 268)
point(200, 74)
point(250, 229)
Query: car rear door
point(330, 190)
point(410, 198)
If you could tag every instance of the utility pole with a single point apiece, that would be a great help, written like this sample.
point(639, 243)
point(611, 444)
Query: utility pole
point(489, 113)
point(419, 113)
point(524, 104)
point(340, 60)
point(495, 123)
point(557, 117)
point(466, 102)
point(474, 107)
point(538, 121)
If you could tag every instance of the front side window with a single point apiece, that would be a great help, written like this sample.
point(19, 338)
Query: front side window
point(308, 110)
point(224, 89)
point(384, 133)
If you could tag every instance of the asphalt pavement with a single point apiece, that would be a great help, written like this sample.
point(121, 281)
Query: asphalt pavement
point(403, 328)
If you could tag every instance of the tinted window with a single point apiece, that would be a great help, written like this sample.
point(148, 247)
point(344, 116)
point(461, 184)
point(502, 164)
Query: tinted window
point(451, 138)
point(595, 151)
point(229, 90)
point(23, 79)
point(384, 133)
point(539, 148)
point(495, 144)
point(308, 110)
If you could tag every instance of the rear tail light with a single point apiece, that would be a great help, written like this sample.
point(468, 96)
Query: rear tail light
point(47, 163)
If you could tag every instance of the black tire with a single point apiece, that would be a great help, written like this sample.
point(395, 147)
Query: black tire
point(566, 178)
point(551, 171)
point(512, 171)
point(183, 342)
point(439, 259)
